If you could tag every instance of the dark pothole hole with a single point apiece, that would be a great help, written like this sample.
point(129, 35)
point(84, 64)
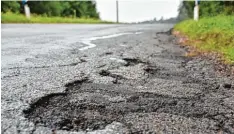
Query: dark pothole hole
point(85, 106)
point(116, 77)
point(132, 61)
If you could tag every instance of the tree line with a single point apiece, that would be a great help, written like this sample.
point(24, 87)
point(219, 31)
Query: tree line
point(85, 9)
point(206, 8)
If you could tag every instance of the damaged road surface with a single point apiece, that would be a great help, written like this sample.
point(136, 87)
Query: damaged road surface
point(135, 81)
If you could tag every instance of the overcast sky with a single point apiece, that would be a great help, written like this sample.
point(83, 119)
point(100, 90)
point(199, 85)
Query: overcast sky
point(137, 10)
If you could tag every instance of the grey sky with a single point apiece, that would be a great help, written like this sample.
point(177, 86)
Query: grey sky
point(137, 10)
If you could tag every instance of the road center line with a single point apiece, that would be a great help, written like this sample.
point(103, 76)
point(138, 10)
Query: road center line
point(91, 45)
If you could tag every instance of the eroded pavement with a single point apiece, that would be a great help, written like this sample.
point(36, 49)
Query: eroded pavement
point(135, 83)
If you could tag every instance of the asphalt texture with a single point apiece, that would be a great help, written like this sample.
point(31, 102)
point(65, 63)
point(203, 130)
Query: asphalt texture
point(98, 79)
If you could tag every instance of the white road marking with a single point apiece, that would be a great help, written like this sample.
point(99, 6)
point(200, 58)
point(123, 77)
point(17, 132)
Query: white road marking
point(89, 43)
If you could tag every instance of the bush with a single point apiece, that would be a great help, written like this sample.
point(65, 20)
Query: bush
point(10, 6)
point(211, 34)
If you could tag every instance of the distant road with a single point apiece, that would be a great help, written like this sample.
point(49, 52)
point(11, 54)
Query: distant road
point(21, 41)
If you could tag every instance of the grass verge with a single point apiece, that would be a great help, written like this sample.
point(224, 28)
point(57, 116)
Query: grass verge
point(20, 18)
point(210, 35)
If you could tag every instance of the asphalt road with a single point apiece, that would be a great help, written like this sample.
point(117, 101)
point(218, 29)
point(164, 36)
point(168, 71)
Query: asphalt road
point(108, 79)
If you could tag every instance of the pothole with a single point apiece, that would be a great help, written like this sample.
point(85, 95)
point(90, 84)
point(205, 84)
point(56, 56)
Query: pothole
point(169, 32)
point(89, 106)
point(132, 61)
point(104, 73)
point(159, 72)
point(106, 54)
point(109, 74)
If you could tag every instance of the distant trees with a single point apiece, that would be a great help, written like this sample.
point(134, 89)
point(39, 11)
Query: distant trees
point(171, 20)
point(49, 8)
point(206, 8)
point(12, 6)
point(86, 9)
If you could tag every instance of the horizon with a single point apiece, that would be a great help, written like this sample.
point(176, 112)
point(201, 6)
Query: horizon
point(149, 10)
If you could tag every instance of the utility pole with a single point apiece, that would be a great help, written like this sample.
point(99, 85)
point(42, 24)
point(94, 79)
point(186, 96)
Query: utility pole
point(26, 9)
point(196, 11)
point(117, 11)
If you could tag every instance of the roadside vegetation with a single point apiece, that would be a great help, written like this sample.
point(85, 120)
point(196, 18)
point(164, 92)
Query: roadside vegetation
point(10, 17)
point(212, 34)
point(51, 12)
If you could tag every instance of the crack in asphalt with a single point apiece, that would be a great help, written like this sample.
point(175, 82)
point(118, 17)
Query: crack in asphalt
point(132, 61)
point(39, 67)
point(115, 76)
point(9, 76)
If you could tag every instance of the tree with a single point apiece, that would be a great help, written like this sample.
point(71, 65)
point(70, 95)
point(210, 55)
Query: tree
point(50, 8)
point(79, 9)
point(12, 6)
point(206, 8)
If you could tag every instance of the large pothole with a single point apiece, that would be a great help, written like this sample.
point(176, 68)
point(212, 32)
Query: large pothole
point(89, 106)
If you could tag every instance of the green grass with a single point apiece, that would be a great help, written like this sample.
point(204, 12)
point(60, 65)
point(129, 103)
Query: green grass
point(20, 18)
point(212, 34)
